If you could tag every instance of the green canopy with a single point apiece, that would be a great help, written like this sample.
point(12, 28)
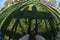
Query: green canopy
point(25, 17)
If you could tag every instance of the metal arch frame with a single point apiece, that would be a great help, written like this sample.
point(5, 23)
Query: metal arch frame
point(50, 9)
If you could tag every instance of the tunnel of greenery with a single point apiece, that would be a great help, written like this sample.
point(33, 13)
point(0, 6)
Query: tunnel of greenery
point(29, 18)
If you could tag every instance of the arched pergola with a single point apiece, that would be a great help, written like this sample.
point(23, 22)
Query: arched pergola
point(29, 17)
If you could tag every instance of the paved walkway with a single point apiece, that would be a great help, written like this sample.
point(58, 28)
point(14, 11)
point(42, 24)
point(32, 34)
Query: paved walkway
point(26, 37)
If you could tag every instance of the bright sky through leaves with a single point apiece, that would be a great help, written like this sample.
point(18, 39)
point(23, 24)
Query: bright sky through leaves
point(2, 2)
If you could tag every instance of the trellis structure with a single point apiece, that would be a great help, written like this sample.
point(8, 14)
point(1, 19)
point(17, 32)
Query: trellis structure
point(29, 17)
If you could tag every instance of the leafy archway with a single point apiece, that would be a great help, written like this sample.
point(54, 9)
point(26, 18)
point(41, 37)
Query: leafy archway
point(32, 18)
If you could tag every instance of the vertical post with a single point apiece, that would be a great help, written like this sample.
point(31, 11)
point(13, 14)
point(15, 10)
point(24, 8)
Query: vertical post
point(29, 26)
